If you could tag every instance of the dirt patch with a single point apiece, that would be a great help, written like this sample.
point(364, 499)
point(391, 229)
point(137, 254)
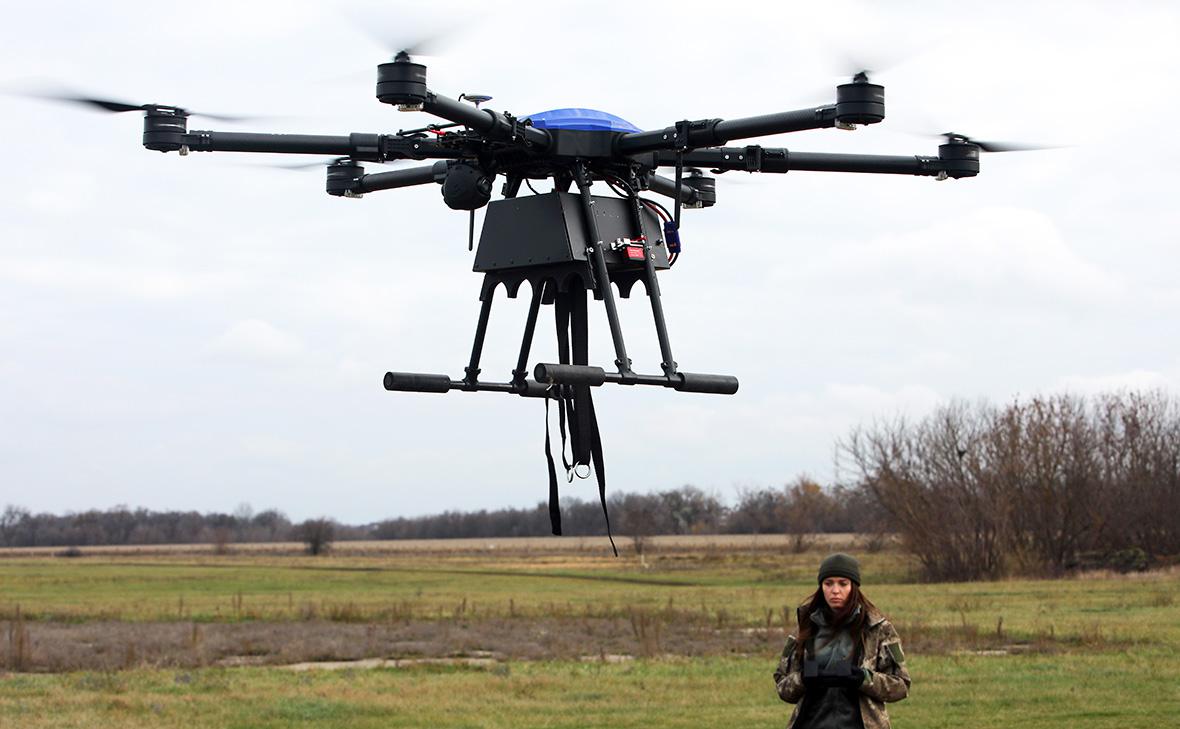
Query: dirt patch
point(470, 662)
point(106, 646)
point(54, 647)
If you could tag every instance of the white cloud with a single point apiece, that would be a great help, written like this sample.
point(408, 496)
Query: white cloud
point(269, 447)
point(254, 339)
point(112, 278)
point(870, 400)
point(1004, 251)
point(1114, 382)
point(69, 193)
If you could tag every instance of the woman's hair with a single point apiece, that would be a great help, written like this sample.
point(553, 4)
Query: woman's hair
point(836, 618)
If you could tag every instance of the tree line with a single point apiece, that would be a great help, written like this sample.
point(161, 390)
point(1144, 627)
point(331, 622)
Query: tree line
point(974, 491)
point(804, 504)
point(1041, 486)
point(120, 525)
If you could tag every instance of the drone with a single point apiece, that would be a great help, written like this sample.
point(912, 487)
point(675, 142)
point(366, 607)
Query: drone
point(567, 242)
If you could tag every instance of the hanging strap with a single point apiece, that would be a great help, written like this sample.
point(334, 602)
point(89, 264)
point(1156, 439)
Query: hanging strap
point(600, 472)
point(554, 505)
point(582, 431)
point(561, 306)
point(575, 404)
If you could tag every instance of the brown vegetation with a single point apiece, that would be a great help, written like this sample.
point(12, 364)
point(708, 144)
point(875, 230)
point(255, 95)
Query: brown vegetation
point(108, 645)
point(1044, 486)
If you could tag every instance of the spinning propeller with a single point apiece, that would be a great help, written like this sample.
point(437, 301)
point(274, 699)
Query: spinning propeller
point(118, 107)
point(956, 138)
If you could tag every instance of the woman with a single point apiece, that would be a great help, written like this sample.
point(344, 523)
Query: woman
point(845, 662)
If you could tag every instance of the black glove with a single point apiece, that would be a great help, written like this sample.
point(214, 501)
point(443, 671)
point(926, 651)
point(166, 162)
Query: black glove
point(856, 677)
point(851, 676)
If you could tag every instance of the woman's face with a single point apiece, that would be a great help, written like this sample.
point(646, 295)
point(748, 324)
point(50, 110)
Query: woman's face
point(836, 590)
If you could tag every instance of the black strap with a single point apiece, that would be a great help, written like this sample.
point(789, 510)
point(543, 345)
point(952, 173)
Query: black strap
point(554, 505)
point(575, 404)
point(561, 306)
point(600, 472)
point(581, 434)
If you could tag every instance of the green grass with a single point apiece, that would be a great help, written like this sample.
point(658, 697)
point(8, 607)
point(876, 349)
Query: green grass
point(1119, 689)
point(1105, 652)
point(733, 587)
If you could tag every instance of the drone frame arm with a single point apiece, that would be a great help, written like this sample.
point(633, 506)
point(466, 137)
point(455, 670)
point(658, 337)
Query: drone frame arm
point(768, 159)
point(493, 124)
point(358, 146)
point(667, 187)
point(167, 133)
point(401, 178)
point(712, 132)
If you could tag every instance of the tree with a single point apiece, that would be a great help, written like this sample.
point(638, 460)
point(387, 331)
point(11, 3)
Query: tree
point(639, 515)
point(806, 511)
point(1045, 485)
point(692, 511)
point(10, 524)
point(316, 535)
point(759, 511)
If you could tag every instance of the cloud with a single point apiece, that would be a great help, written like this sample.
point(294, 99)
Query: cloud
point(269, 447)
point(256, 340)
point(120, 278)
point(1000, 250)
point(1137, 379)
point(869, 400)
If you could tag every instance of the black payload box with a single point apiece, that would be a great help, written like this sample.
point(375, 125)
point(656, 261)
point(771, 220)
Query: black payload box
point(549, 229)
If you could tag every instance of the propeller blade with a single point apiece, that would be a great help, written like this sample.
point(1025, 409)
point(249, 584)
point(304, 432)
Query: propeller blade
point(426, 38)
point(322, 163)
point(994, 146)
point(118, 107)
point(74, 98)
point(296, 165)
point(1012, 146)
point(232, 119)
point(865, 63)
point(105, 104)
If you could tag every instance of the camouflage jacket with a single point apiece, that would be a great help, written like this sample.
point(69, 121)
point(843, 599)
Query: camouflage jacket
point(881, 648)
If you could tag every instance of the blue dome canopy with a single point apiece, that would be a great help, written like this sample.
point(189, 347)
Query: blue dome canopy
point(589, 120)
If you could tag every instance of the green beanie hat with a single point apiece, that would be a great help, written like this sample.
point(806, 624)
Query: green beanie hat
point(840, 565)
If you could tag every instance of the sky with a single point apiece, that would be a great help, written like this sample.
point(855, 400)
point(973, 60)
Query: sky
point(205, 331)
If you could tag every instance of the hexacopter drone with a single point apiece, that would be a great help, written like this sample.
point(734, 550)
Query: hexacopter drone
point(564, 243)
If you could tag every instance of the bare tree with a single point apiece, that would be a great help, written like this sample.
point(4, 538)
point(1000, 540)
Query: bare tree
point(11, 521)
point(1041, 486)
point(638, 514)
point(805, 511)
point(316, 535)
point(930, 479)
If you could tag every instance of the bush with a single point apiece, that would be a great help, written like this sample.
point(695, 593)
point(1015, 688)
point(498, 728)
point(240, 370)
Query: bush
point(316, 535)
point(1038, 487)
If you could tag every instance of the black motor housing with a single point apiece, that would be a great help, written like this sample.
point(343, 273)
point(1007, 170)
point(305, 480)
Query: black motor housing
point(860, 102)
point(401, 82)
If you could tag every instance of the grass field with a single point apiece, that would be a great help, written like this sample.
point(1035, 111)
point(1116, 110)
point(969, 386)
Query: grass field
point(522, 635)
